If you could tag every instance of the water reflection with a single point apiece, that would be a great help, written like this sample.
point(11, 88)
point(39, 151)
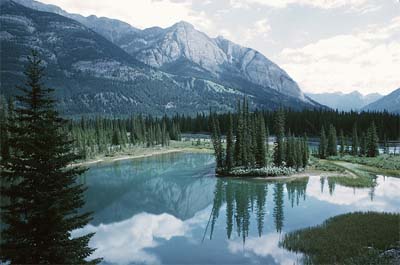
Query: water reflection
point(175, 183)
point(244, 197)
point(171, 209)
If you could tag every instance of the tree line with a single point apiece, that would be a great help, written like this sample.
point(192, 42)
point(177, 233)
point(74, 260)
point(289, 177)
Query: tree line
point(102, 135)
point(365, 145)
point(246, 144)
point(306, 121)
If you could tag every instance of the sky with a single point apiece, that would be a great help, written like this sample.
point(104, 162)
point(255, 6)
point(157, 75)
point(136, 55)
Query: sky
point(325, 45)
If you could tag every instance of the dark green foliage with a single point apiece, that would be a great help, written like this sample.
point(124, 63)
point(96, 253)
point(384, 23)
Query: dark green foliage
point(322, 144)
point(217, 142)
point(229, 145)
point(342, 143)
point(332, 142)
point(354, 141)
point(363, 144)
point(101, 135)
point(306, 151)
point(278, 213)
point(260, 151)
point(279, 138)
point(251, 147)
point(4, 134)
point(307, 121)
point(42, 190)
point(353, 238)
point(372, 141)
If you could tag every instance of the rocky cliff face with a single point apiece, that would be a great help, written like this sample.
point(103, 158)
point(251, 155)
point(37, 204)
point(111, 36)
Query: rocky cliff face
point(125, 70)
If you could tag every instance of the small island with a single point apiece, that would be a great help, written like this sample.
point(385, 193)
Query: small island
point(245, 151)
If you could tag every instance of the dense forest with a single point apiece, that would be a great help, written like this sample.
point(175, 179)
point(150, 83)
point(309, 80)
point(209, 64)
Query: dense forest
point(105, 135)
point(306, 121)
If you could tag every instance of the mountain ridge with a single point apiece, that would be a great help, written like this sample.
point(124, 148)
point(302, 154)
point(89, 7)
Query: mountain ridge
point(390, 103)
point(95, 76)
point(344, 101)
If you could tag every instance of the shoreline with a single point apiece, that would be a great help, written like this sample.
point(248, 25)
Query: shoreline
point(147, 153)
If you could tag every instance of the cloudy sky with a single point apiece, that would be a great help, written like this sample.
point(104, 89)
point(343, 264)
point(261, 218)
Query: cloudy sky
point(325, 45)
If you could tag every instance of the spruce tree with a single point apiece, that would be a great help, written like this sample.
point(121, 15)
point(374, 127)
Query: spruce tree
point(372, 141)
point(342, 143)
point(44, 196)
point(279, 150)
point(363, 145)
point(305, 151)
point(216, 140)
point(322, 144)
point(354, 141)
point(229, 145)
point(332, 142)
point(260, 142)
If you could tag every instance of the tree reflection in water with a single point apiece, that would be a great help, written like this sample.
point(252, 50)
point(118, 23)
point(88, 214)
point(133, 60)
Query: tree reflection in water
point(244, 198)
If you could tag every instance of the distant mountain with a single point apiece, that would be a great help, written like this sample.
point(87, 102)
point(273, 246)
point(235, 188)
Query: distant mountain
point(183, 50)
point(94, 75)
point(346, 102)
point(390, 103)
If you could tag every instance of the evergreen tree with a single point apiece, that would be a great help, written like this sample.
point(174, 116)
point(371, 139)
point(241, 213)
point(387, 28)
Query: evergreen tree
point(305, 151)
point(42, 190)
point(4, 135)
point(279, 138)
point(322, 144)
point(216, 140)
point(260, 142)
point(342, 143)
point(239, 138)
point(354, 141)
point(372, 141)
point(363, 145)
point(229, 145)
point(332, 142)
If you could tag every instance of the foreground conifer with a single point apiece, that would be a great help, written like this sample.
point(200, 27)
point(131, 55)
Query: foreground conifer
point(43, 195)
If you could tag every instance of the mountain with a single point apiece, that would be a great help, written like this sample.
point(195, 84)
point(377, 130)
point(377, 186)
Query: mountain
point(346, 102)
point(94, 75)
point(390, 103)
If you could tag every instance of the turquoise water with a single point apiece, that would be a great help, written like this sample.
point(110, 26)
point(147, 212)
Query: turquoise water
point(170, 209)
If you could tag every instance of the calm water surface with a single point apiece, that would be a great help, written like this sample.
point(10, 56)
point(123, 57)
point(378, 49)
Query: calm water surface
point(170, 209)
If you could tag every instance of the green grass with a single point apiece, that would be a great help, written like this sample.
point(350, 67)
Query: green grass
point(327, 166)
point(388, 162)
point(354, 238)
point(360, 182)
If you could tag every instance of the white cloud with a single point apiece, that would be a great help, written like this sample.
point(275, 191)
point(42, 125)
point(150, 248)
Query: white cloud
point(386, 196)
point(266, 245)
point(246, 36)
point(366, 60)
point(125, 242)
point(138, 13)
point(130, 241)
point(324, 4)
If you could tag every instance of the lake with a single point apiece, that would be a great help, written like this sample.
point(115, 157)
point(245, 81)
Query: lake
point(171, 209)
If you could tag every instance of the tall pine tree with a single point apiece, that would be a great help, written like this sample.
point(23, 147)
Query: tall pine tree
point(322, 144)
point(260, 141)
point(279, 150)
point(42, 190)
point(332, 141)
point(229, 145)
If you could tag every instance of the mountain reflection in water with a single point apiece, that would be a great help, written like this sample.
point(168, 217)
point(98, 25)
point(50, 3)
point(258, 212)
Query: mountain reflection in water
point(171, 209)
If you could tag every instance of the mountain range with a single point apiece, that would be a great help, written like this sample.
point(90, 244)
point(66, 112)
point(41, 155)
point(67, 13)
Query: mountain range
point(106, 66)
point(390, 103)
point(345, 102)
